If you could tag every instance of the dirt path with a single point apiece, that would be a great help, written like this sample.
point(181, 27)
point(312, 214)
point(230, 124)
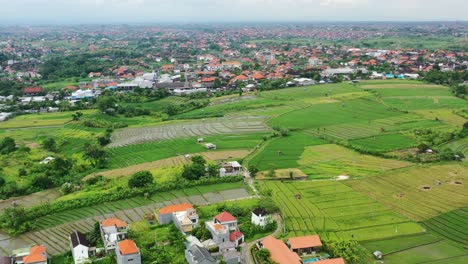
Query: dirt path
point(56, 238)
point(246, 256)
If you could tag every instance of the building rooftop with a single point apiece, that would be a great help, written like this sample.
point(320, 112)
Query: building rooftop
point(128, 247)
point(114, 222)
point(175, 208)
point(305, 242)
point(225, 217)
point(279, 252)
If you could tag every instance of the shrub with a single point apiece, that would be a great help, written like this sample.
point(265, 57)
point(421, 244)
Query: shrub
point(140, 179)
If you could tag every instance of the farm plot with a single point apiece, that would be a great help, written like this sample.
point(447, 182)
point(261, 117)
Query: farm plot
point(147, 152)
point(56, 228)
point(384, 143)
point(137, 135)
point(460, 145)
point(363, 129)
point(319, 116)
point(445, 115)
point(335, 211)
point(452, 225)
point(328, 161)
point(169, 162)
point(409, 104)
point(421, 192)
point(283, 152)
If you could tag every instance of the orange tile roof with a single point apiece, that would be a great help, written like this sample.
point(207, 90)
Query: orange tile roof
point(175, 208)
point(128, 247)
point(279, 252)
point(331, 261)
point(114, 222)
point(305, 242)
point(36, 254)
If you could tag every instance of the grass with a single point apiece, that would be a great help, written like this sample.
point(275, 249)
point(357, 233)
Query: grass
point(329, 161)
point(452, 225)
point(458, 145)
point(109, 207)
point(336, 211)
point(317, 116)
point(388, 246)
point(443, 251)
point(384, 143)
point(291, 147)
point(151, 151)
point(445, 115)
point(402, 190)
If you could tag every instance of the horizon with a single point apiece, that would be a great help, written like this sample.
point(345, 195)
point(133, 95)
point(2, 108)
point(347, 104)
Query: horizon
point(55, 12)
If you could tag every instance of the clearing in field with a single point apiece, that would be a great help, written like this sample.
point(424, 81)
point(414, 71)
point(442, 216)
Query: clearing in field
point(170, 162)
point(329, 161)
point(403, 190)
point(335, 211)
point(130, 136)
point(283, 152)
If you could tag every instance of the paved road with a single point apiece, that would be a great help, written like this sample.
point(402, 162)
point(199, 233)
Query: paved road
point(56, 238)
point(246, 256)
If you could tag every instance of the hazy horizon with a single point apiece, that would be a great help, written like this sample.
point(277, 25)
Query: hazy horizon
point(52, 12)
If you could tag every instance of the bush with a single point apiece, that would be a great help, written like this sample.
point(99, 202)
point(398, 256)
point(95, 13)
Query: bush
point(140, 179)
point(7, 146)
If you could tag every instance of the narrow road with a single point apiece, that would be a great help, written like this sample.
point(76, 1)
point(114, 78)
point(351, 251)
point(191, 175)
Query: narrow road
point(246, 257)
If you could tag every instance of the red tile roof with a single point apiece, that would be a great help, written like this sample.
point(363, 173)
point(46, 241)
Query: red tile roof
point(225, 217)
point(175, 208)
point(331, 261)
point(235, 235)
point(36, 89)
point(114, 222)
point(279, 252)
point(305, 242)
point(128, 247)
point(36, 254)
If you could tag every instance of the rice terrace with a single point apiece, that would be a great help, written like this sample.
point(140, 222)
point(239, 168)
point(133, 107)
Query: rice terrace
point(380, 163)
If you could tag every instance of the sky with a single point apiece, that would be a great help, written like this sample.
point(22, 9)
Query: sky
point(187, 11)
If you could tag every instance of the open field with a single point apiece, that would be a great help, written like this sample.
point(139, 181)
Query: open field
point(283, 152)
point(452, 225)
point(329, 161)
point(445, 115)
point(170, 162)
point(384, 143)
point(458, 145)
point(409, 104)
point(280, 174)
point(56, 228)
point(335, 211)
point(121, 157)
point(420, 192)
point(131, 136)
point(318, 116)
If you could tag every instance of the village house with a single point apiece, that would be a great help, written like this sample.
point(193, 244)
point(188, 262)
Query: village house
point(32, 91)
point(305, 244)
point(34, 255)
point(184, 216)
point(231, 168)
point(196, 254)
point(226, 236)
point(279, 252)
point(80, 247)
point(113, 230)
point(260, 217)
point(127, 252)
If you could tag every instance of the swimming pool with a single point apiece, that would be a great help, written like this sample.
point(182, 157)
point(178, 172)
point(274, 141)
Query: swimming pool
point(311, 260)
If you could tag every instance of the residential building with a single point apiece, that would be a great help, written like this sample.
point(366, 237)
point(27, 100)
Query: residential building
point(305, 244)
point(199, 255)
point(279, 252)
point(224, 231)
point(184, 216)
point(32, 91)
point(80, 247)
point(261, 217)
point(127, 252)
point(231, 168)
point(113, 230)
point(34, 255)
point(226, 219)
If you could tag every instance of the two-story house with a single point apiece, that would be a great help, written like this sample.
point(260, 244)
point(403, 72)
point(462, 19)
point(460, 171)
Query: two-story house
point(113, 230)
point(127, 252)
point(80, 247)
point(183, 215)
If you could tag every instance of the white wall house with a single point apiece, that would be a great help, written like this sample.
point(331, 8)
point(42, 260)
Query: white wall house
point(80, 248)
point(261, 217)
